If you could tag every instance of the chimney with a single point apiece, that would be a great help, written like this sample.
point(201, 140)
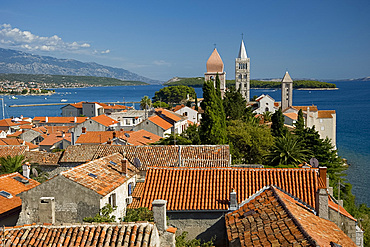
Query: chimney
point(114, 134)
point(23, 130)
point(233, 201)
point(63, 134)
point(124, 164)
point(75, 120)
point(73, 138)
point(322, 198)
point(109, 142)
point(83, 130)
point(46, 119)
point(26, 167)
point(159, 214)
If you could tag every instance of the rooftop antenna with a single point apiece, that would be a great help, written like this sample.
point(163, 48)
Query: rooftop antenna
point(242, 36)
point(214, 45)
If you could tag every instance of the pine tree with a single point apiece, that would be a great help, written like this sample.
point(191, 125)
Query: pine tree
point(299, 125)
point(278, 129)
point(212, 125)
point(234, 104)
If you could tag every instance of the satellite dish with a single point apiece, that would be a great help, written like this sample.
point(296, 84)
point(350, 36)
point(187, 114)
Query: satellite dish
point(137, 162)
point(314, 162)
point(34, 172)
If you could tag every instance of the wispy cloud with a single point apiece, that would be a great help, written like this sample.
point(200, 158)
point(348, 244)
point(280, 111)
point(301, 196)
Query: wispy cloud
point(161, 63)
point(16, 38)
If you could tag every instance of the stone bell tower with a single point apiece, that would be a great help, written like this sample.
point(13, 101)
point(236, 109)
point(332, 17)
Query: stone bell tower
point(216, 66)
point(286, 91)
point(242, 72)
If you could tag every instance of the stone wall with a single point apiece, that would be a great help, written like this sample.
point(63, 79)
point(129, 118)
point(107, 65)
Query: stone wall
point(347, 225)
point(200, 225)
point(73, 202)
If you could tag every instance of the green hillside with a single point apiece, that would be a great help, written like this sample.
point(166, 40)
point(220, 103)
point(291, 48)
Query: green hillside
point(198, 82)
point(68, 79)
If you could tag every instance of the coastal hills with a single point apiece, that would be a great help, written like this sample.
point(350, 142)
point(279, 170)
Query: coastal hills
point(18, 62)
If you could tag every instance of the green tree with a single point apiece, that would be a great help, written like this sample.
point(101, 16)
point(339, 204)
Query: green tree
point(212, 124)
point(192, 133)
point(160, 104)
point(287, 151)
point(299, 125)
point(248, 141)
point(172, 139)
point(234, 104)
point(25, 91)
point(145, 102)
point(196, 104)
point(11, 164)
point(174, 94)
point(181, 241)
point(138, 214)
point(278, 129)
point(267, 116)
point(104, 215)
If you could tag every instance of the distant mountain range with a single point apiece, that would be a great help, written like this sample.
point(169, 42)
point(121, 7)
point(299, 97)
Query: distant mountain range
point(12, 61)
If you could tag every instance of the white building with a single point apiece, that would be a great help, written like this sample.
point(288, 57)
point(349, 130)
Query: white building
point(265, 103)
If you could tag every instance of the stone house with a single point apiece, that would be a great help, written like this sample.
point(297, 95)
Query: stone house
point(265, 103)
point(325, 121)
point(192, 115)
point(99, 123)
point(198, 198)
point(57, 121)
point(81, 192)
point(90, 109)
point(128, 119)
point(52, 141)
point(10, 203)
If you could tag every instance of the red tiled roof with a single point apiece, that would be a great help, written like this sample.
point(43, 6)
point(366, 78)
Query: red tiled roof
point(171, 115)
point(142, 137)
point(14, 187)
point(107, 178)
point(291, 115)
point(43, 158)
point(273, 218)
point(325, 114)
point(105, 120)
point(337, 207)
point(51, 139)
point(304, 108)
point(79, 153)
point(209, 188)
point(160, 122)
point(105, 106)
point(15, 141)
point(99, 137)
point(12, 150)
point(166, 155)
point(178, 107)
point(93, 235)
point(8, 122)
point(59, 119)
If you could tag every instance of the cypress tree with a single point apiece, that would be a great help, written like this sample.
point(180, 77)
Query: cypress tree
point(212, 124)
point(278, 129)
point(299, 125)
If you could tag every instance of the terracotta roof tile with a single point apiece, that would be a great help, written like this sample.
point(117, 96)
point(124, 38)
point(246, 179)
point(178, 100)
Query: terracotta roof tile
point(53, 138)
point(14, 187)
point(326, 114)
point(79, 154)
point(291, 115)
point(169, 114)
point(178, 107)
point(8, 122)
point(59, 120)
point(142, 137)
point(333, 205)
point(106, 177)
point(304, 108)
point(99, 137)
point(271, 217)
point(160, 122)
point(43, 158)
point(12, 150)
point(15, 141)
point(105, 120)
point(209, 188)
point(107, 234)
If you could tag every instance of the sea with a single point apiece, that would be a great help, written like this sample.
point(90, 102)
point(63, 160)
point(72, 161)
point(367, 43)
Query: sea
point(351, 102)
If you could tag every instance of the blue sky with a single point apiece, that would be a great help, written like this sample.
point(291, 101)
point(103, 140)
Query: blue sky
point(162, 39)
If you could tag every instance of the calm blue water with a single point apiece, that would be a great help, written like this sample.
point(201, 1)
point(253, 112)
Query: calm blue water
point(351, 102)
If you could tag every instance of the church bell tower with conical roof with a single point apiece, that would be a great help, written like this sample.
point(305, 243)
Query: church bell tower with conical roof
point(216, 66)
point(242, 72)
point(286, 91)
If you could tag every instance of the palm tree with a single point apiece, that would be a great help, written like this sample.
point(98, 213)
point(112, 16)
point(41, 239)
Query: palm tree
point(267, 116)
point(145, 103)
point(11, 164)
point(287, 151)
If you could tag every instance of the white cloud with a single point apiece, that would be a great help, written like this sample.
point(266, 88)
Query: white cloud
point(14, 37)
point(161, 63)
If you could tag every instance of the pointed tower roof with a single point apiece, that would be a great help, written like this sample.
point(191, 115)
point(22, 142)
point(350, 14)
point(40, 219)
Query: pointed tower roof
point(214, 63)
point(287, 78)
point(242, 51)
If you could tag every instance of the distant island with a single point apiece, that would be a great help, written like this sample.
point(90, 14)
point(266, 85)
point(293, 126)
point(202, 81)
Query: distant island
point(19, 82)
point(198, 82)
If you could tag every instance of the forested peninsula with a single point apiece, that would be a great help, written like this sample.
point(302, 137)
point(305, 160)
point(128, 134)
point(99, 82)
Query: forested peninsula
point(198, 82)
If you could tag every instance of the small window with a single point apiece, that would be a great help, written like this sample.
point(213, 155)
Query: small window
point(93, 175)
point(322, 128)
point(320, 120)
point(5, 194)
point(129, 189)
point(267, 109)
point(112, 200)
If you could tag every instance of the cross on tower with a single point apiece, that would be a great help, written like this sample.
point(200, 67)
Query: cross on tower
point(242, 35)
